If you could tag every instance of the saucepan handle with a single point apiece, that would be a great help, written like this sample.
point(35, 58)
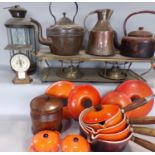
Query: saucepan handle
point(138, 103)
point(144, 131)
point(134, 105)
point(144, 143)
point(143, 120)
point(132, 14)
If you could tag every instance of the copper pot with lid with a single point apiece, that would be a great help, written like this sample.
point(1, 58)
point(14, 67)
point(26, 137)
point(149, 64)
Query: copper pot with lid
point(46, 113)
point(64, 37)
point(140, 43)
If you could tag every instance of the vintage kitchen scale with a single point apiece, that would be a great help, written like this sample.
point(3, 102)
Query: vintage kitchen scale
point(20, 63)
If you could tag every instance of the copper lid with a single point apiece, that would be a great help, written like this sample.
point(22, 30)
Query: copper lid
point(140, 33)
point(18, 21)
point(17, 11)
point(65, 27)
point(46, 104)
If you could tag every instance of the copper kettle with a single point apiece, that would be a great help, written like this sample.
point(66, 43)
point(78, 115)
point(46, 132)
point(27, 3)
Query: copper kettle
point(101, 38)
point(64, 37)
point(140, 43)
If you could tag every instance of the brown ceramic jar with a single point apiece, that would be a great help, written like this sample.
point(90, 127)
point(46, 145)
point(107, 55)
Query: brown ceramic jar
point(46, 113)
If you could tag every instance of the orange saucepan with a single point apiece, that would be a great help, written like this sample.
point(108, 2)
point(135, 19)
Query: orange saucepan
point(102, 116)
point(112, 129)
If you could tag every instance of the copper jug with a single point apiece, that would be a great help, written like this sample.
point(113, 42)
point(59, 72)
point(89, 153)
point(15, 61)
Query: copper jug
point(64, 37)
point(101, 38)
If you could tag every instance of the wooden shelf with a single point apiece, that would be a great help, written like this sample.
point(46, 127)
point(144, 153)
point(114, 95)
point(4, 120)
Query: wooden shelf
point(44, 54)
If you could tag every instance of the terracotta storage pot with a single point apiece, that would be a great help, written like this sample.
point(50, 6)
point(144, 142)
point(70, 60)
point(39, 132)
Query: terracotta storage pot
point(46, 113)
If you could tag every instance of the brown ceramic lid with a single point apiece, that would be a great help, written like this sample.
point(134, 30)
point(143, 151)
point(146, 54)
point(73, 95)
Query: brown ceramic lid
point(46, 104)
point(65, 27)
point(140, 33)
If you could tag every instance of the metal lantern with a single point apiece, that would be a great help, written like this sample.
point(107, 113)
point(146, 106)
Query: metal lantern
point(21, 36)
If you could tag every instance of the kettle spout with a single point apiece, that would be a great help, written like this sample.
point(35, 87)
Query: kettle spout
point(41, 39)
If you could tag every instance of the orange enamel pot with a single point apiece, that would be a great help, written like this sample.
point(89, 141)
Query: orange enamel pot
point(112, 129)
point(62, 90)
point(137, 89)
point(81, 97)
point(75, 143)
point(46, 141)
point(113, 136)
point(102, 116)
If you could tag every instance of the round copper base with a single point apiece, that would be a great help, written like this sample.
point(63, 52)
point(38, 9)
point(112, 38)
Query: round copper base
point(70, 73)
point(113, 74)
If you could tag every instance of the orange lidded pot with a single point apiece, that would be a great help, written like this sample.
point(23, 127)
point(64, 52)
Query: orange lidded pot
point(75, 143)
point(45, 141)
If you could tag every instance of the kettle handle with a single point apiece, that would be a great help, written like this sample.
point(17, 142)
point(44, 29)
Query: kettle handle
point(132, 14)
point(91, 13)
point(50, 10)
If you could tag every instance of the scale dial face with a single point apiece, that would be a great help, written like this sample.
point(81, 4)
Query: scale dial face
point(20, 63)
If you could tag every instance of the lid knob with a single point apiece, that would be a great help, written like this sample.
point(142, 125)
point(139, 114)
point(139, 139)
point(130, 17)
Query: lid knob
point(141, 28)
point(64, 14)
point(45, 135)
point(76, 139)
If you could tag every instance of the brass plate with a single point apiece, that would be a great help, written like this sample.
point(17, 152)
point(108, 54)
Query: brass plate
point(89, 75)
point(44, 54)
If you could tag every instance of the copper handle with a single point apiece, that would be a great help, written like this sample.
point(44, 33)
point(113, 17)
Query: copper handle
point(144, 143)
point(91, 13)
point(143, 120)
point(144, 131)
point(132, 14)
point(50, 10)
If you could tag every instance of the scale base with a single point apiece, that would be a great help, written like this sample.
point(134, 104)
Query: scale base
point(27, 80)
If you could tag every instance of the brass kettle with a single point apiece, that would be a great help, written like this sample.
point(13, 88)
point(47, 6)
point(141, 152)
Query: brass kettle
point(64, 37)
point(101, 38)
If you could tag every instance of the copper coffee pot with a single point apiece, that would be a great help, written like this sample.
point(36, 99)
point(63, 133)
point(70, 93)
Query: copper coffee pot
point(101, 38)
point(64, 37)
